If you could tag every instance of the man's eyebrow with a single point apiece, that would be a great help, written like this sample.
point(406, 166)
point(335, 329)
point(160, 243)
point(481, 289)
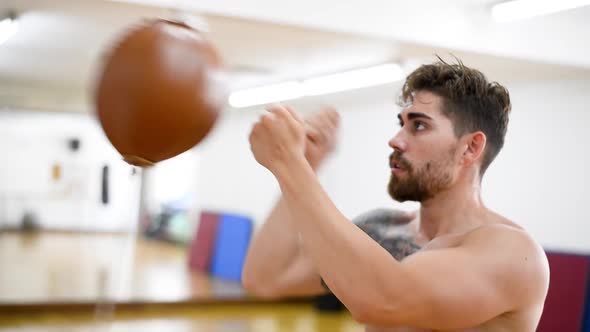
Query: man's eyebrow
point(414, 115)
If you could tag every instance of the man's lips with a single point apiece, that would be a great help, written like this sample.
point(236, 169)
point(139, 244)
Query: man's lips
point(396, 166)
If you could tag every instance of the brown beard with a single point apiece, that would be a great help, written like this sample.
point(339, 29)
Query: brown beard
point(422, 184)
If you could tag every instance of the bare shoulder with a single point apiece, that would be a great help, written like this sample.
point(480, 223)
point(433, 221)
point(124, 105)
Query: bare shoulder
point(510, 249)
point(505, 237)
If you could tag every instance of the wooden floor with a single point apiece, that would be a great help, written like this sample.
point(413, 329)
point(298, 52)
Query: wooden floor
point(194, 318)
point(54, 267)
point(91, 282)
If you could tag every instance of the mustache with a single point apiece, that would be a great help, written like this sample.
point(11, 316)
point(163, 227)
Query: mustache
point(397, 157)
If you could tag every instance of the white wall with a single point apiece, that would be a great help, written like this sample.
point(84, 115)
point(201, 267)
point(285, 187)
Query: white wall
point(539, 180)
point(32, 143)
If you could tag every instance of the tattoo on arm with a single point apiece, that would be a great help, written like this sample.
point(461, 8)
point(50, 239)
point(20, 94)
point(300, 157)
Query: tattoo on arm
point(383, 227)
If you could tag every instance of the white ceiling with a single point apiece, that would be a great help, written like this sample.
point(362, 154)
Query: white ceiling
point(457, 24)
point(59, 43)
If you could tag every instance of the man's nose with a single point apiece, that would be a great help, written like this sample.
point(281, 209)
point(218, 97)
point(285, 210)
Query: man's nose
point(398, 143)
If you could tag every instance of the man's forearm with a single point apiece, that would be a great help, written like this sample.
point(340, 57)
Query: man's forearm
point(273, 248)
point(343, 254)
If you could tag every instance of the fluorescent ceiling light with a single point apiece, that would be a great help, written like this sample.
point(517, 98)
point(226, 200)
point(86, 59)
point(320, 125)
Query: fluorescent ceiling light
point(8, 27)
point(266, 94)
point(348, 80)
point(354, 79)
point(522, 9)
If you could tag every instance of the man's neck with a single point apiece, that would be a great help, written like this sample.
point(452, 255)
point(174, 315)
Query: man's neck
point(452, 211)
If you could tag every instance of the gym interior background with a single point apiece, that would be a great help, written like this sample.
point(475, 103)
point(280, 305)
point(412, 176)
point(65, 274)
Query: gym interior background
point(88, 242)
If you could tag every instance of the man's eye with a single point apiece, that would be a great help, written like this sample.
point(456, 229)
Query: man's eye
point(419, 125)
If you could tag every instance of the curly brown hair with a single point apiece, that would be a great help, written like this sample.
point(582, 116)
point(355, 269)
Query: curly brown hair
point(470, 101)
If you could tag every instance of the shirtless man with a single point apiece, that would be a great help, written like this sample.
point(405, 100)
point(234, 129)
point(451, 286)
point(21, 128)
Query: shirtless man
point(454, 266)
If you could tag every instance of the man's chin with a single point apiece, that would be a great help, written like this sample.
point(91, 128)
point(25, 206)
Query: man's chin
point(398, 195)
point(402, 199)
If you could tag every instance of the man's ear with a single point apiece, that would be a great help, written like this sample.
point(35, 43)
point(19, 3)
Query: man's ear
point(474, 144)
